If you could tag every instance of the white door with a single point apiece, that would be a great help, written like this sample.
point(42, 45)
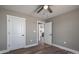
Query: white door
point(48, 33)
point(16, 29)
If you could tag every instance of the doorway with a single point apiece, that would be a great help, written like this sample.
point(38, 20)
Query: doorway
point(40, 32)
point(16, 32)
point(45, 33)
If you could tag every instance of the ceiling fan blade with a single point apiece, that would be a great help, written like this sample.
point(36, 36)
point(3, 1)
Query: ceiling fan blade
point(49, 9)
point(40, 9)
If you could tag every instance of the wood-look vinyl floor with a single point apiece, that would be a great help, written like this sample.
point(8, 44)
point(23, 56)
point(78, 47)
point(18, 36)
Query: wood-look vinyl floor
point(40, 49)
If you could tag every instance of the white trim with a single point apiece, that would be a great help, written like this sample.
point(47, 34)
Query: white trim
point(7, 31)
point(65, 48)
point(4, 51)
point(31, 45)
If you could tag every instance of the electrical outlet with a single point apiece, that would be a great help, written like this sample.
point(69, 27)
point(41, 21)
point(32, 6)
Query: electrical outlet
point(31, 40)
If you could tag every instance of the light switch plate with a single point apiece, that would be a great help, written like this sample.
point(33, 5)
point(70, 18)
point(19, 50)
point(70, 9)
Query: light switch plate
point(65, 42)
point(34, 31)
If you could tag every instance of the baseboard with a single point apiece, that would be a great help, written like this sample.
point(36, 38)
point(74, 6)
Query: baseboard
point(65, 48)
point(4, 51)
point(31, 45)
point(62, 47)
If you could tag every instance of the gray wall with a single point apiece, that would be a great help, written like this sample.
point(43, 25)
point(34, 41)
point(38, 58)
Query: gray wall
point(31, 25)
point(3, 29)
point(66, 29)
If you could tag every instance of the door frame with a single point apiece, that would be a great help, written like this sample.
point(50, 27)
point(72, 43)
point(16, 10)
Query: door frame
point(9, 32)
point(38, 29)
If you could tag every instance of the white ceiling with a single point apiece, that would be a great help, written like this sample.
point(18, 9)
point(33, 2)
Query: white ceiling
point(44, 14)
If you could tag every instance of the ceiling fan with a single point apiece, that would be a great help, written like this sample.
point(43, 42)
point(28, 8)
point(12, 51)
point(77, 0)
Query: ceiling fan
point(46, 7)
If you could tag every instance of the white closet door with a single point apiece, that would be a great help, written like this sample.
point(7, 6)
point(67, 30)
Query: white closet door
point(16, 32)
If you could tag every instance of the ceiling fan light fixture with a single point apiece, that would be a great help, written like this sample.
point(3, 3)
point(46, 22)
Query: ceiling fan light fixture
point(45, 6)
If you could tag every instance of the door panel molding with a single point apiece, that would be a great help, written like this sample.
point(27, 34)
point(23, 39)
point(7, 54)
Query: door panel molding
point(8, 30)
